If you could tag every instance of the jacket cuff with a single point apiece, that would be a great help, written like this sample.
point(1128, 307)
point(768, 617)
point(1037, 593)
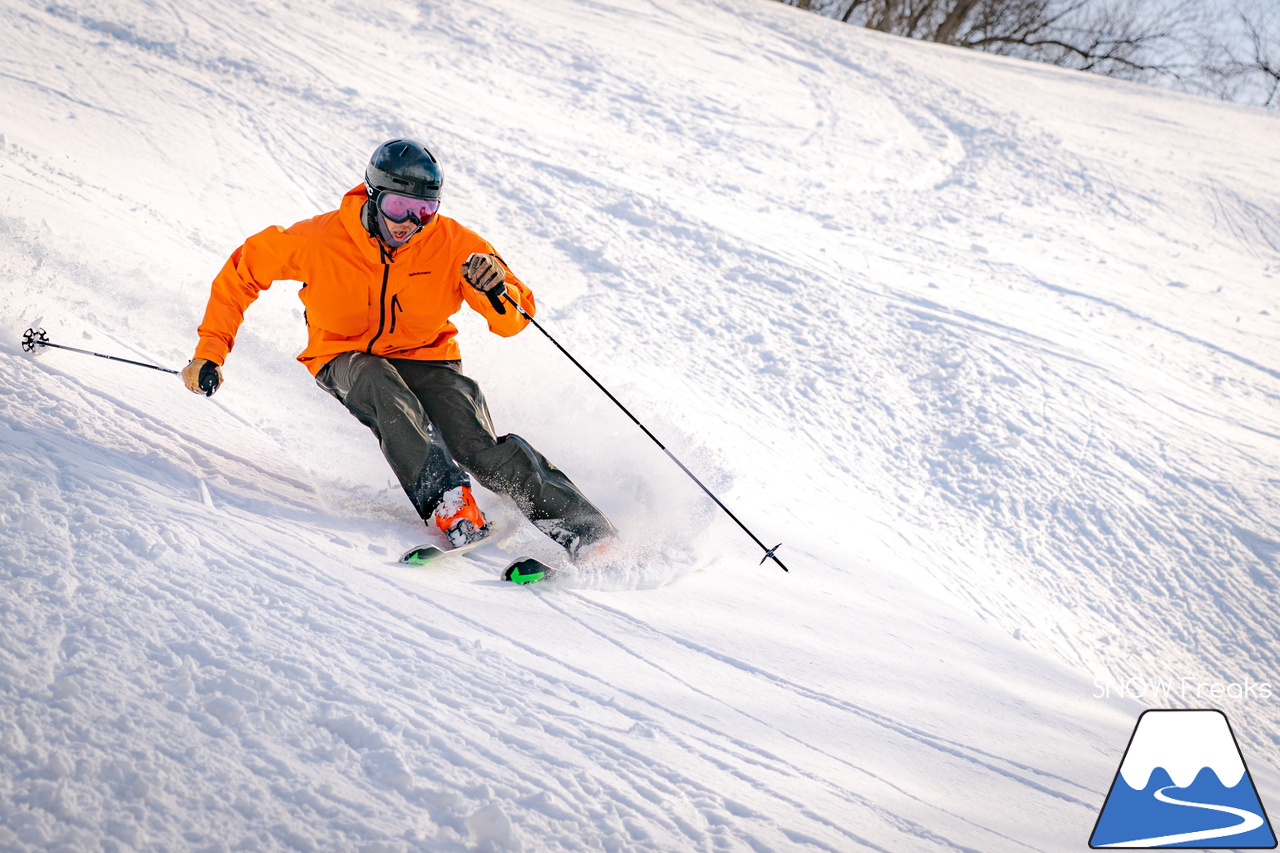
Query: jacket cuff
point(214, 351)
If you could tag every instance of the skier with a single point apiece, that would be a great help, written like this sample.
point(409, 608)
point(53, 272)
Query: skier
point(381, 277)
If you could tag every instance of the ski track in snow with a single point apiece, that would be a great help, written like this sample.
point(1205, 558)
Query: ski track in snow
point(990, 346)
point(249, 709)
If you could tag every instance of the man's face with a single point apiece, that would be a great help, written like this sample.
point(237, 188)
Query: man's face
point(399, 231)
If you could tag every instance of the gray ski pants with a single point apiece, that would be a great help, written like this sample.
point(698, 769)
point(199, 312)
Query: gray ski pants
point(434, 427)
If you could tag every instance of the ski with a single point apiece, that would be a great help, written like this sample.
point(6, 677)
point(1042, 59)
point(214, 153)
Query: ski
point(424, 554)
point(527, 570)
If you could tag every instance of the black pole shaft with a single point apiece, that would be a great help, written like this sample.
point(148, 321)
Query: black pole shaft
point(769, 553)
point(112, 357)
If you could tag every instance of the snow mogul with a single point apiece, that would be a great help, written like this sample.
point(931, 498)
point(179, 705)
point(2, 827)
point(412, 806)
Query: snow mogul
point(382, 275)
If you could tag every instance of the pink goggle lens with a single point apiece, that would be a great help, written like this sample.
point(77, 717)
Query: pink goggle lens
point(398, 208)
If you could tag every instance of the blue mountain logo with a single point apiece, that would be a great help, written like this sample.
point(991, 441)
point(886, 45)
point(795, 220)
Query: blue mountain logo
point(1182, 783)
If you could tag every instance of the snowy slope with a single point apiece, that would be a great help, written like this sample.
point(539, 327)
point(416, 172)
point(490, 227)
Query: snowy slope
point(991, 347)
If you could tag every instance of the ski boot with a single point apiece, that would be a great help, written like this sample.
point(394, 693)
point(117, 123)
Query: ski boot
point(459, 517)
point(586, 544)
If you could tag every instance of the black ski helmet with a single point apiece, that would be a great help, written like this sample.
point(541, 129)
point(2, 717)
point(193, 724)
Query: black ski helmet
point(404, 166)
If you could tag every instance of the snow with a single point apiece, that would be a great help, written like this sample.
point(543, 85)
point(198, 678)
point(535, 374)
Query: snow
point(991, 347)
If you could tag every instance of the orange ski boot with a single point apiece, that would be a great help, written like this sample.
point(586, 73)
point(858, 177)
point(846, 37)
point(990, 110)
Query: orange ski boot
point(458, 516)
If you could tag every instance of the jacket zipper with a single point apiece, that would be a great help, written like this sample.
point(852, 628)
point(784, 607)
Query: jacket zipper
point(382, 300)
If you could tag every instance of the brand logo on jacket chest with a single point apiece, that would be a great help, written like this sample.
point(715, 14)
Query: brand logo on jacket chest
point(420, 272)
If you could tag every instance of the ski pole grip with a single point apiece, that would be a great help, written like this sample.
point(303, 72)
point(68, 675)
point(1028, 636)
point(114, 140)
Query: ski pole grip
point(208, 379)
point(495, 297)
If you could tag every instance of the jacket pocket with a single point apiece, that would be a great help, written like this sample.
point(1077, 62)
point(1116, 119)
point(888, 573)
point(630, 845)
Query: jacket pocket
point(396, 308)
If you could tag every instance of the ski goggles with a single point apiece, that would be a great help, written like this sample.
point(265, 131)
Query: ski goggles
point(399, 208)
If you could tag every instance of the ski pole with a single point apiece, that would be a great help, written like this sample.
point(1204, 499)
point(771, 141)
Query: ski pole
point(33, 338)
point(769, 553)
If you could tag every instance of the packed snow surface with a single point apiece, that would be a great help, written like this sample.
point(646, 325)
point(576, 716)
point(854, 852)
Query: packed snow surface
point(991, 347)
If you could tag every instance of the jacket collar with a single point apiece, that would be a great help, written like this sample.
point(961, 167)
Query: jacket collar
point(370, 247)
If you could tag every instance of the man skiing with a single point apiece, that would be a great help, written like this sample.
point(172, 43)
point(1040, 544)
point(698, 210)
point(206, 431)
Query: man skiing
point(381, 277)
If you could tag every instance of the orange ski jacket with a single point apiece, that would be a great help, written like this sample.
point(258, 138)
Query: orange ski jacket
point(358, 294)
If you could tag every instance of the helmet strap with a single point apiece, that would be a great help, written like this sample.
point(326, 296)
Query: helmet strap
point(369, 215)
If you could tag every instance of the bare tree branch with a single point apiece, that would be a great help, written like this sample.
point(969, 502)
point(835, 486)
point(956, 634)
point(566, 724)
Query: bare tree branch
point(1180, 43)
point(1266, 55)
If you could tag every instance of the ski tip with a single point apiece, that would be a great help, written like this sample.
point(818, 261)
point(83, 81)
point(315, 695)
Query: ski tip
point(526, 571)
point(421, 555)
